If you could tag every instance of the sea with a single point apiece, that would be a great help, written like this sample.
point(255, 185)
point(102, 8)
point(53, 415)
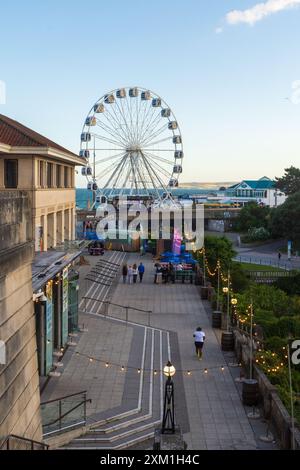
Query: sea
point(84, 197)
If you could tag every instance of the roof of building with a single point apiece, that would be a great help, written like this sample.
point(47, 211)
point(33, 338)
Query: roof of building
point(262, 183)
point(47, 264)
point(15, 134)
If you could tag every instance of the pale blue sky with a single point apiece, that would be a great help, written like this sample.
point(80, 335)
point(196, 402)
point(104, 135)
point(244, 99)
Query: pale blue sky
point(228, 90)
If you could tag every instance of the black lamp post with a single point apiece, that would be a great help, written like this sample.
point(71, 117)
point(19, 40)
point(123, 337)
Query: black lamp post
point(168, 423)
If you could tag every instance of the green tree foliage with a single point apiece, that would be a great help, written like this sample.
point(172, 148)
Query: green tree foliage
point(252, 216)
point(285, 220)
point(289, 183)
point(239, 278)
point(267, 298)
point(290, 285)
point(217, 248)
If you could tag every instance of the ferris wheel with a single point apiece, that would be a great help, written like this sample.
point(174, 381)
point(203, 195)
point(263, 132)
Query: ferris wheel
point(132, 145)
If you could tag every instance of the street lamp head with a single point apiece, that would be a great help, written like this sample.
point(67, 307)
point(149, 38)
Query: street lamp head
point(234, 301)
point(225, 290)
point(169, 370)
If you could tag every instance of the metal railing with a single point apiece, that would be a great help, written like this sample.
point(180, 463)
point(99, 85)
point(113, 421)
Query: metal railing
point(273, 275)
point(124, 308)
point(272, 262)
point(64, 413)
point(14, 442)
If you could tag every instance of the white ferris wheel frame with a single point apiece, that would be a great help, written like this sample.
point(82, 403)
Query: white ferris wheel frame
point(132, 158)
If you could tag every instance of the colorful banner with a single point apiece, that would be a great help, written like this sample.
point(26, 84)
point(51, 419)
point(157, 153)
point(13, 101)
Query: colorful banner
point(65, 307)
point(49, 329)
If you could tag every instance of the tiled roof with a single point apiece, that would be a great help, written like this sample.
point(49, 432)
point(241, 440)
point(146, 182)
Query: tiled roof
point(16, 135)
point(260, 184)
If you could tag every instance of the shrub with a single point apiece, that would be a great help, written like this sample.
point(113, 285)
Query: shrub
point(256, 234)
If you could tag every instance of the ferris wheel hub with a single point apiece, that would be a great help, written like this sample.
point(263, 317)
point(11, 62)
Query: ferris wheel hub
point(133, 149)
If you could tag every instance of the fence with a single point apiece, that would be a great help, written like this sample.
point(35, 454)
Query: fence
point(119, 311)
point(13, 442)
point(64, 413)
point(273, 262)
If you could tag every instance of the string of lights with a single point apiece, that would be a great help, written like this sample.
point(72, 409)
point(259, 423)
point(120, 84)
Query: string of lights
point(124, 368)
point(270, 361)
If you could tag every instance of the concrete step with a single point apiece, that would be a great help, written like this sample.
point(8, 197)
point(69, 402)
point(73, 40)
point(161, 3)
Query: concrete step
point(124, 423)
point(133, 425)
point(114, 437)
point(123, 443)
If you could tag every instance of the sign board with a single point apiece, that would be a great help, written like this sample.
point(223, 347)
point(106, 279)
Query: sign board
point(65, 307)
point(49, 329)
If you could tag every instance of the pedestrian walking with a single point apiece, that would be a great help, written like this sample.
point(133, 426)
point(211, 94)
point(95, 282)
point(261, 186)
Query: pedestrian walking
point(130, 274)
point(124, 272)
point(199, 337)
point(134, 273)
point(141, 270)
point(279, 256)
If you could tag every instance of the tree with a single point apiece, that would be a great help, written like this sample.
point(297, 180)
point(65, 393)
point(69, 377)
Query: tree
point(217, 249)
point(289, 183)
point(285, 220)
point(252, 216)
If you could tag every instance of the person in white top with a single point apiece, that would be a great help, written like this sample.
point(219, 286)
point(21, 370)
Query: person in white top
point(130, 275)
point(199, 337)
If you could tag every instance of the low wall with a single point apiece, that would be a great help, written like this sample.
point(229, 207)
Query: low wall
point(273, 408)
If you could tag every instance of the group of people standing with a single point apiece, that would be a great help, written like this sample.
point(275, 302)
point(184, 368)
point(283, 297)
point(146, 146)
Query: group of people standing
point(168, 272)
point(131, 273)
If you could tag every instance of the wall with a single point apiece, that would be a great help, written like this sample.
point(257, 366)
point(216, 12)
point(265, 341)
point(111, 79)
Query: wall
point(271, 403)
point(19, 381)
point(46, 202)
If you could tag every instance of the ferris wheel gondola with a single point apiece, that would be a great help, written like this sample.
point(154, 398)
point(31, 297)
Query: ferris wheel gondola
point(132, 143)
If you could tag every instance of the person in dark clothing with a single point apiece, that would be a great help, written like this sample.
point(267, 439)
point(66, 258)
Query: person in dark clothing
point(165, 274)
point(171, 273)
point(141, 270)
point(124, 272)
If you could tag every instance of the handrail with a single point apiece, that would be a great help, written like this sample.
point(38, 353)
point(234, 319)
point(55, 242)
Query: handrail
point(25, 439)
point(62, 398)
point(117, 305)
point(89, 400)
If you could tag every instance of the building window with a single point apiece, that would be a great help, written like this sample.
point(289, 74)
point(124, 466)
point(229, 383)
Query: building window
point(49, 175)
point(58, 180)
point(11, 173)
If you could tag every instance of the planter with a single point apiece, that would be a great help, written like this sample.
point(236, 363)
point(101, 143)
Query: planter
point(216, 319)
point(227, 341)
point(250, 393)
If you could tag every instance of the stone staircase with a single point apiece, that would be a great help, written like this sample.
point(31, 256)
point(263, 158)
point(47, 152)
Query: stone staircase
point(141, 410)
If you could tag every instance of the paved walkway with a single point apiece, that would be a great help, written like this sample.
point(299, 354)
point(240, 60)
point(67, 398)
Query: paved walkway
point(208, 406)
point(216, 417)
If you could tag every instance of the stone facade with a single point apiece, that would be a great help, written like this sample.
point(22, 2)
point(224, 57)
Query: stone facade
point(19, 381)
point(51, 186)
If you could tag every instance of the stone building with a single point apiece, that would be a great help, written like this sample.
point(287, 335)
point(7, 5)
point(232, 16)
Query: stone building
point(37, 212)
point(31, 162)
point(19, 379)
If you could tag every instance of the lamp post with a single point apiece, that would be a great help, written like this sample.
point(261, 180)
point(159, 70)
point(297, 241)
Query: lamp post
point(234, 303)
point(227, 292)
point(168, 423)
point(219, 272)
